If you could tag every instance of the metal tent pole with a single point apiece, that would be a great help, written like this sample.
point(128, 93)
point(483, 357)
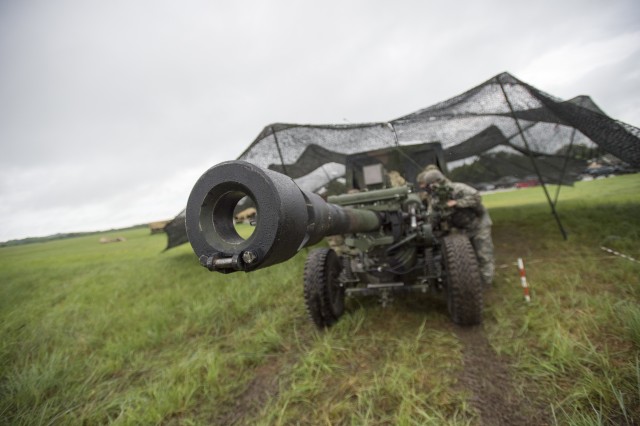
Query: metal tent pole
point(564, 166)
point(395, 135)
point(399, 148)
point(533, 162)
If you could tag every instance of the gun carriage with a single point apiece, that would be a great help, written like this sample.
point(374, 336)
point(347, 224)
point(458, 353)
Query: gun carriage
point(386, 242)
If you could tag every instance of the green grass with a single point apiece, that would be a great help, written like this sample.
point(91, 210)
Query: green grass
point(244, 230)
point(577, 342)
point(125, 333)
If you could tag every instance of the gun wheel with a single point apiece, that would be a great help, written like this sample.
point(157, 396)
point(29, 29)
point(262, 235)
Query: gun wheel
point(464, 282)
point(323, 294)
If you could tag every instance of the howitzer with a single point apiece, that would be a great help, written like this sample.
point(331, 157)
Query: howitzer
point(289, 218)
point(387, 246)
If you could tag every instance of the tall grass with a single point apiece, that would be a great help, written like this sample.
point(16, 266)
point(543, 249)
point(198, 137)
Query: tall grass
point(122, 332)
point(576, 344)
point(125, 333)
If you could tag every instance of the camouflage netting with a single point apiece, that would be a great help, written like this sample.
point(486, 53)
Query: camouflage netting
point(501, 119)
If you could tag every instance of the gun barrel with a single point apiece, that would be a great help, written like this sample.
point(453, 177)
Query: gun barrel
point(288, 218)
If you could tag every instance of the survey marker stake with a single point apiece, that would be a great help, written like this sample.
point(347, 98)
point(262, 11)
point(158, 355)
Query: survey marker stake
point(523, 280)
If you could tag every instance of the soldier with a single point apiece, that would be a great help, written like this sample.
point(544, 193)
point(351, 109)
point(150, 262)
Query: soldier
point(395, 179)
point(462, 208)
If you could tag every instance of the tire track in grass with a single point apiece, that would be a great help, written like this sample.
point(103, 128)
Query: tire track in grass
point(266, 382)
point(261, 388)
point(487, 377)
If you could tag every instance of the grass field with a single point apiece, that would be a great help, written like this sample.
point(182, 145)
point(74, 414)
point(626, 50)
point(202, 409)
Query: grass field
point(124, 333)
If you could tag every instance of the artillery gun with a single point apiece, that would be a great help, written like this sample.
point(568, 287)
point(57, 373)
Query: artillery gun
point(389, 244)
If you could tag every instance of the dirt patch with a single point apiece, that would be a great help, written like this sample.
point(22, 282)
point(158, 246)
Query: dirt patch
point(487, 377)
point(262, 387)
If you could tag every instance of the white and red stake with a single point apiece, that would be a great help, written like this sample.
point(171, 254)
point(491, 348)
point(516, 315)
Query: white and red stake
point(523, 280)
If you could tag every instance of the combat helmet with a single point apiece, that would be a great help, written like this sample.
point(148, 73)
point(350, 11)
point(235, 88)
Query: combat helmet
point(431, 174)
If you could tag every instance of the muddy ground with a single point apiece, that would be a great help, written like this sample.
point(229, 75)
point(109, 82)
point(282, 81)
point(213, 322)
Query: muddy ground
point(488, 379)
point(485, 378)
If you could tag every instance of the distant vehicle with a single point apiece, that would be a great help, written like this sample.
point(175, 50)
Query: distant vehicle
point(506, 182)
point(601, 171)
point(482, 186)
point(527, 183)
point(619, 169)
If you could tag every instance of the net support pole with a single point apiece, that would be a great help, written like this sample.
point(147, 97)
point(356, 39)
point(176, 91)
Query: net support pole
point(398, 148)
point(275, 138)
point(395, 135)
point(564, 166)
point(533, 163)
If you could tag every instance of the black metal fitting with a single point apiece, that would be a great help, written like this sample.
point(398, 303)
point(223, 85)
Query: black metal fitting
point(288, 218)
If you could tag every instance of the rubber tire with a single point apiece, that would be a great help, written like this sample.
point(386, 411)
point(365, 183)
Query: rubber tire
point(323, 295)
point(464, 282)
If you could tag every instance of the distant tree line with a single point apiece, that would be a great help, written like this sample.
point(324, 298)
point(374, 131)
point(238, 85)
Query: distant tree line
point(491, 167)
point(61, 236)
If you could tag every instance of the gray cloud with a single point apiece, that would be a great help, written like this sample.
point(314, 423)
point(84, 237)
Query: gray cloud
point(109, 111)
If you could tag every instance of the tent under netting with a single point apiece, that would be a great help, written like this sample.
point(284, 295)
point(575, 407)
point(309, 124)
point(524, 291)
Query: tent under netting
point(517, 131)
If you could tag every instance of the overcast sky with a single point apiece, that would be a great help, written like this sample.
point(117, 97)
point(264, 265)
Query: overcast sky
point(110, 110)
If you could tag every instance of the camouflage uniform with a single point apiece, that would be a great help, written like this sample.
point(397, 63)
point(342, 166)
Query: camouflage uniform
point(470, 216)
